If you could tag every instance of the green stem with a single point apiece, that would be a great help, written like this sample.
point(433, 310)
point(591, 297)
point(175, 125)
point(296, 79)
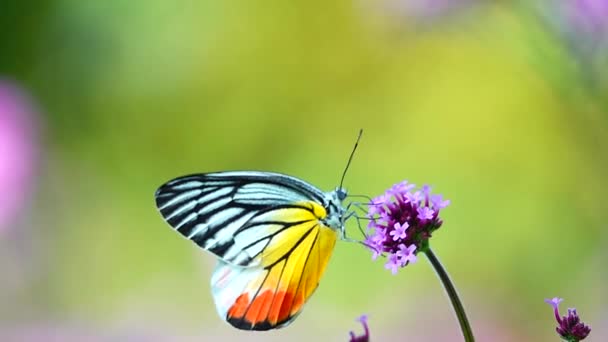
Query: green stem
point(451, 291)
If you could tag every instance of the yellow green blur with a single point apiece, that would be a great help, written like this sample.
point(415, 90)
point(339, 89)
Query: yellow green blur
point(132, 94)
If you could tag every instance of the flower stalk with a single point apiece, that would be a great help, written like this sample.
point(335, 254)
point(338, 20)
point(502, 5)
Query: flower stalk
point(467, 332)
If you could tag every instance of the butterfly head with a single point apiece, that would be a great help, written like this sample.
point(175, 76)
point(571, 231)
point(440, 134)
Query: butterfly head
point(341, 194)
point(335, 209)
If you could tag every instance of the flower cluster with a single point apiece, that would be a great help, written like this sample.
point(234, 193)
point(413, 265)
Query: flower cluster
point(570, 327)
point(401, 222)
point(365, 336)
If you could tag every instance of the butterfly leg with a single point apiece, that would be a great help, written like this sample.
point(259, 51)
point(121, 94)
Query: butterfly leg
point(351, 213)
point(359, 206)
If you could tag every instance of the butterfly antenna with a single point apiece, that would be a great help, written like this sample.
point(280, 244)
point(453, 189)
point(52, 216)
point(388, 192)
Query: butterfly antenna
point(351, 157)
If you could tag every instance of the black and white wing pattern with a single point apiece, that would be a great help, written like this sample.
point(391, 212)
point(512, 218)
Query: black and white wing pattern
point(238, 216)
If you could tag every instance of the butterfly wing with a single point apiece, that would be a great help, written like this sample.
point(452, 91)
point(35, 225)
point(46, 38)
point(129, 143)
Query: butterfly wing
point(263, 298)
point(238, 215)
point(266, 230)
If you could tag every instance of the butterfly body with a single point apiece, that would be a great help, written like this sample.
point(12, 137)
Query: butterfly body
point(273, 235)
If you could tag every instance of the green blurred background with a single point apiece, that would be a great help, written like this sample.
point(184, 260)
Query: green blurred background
point(486, 101)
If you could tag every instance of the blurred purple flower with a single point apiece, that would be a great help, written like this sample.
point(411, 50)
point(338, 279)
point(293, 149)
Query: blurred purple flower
point(582, 23)
point(365, 336)
point(18, 151)
point(587, 16)
point(570, 327)
point(401, 222)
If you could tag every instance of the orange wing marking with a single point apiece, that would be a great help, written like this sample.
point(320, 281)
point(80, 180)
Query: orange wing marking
point(240, 306)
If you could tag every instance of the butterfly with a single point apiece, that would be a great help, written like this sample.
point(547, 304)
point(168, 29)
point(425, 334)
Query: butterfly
point(272, 234)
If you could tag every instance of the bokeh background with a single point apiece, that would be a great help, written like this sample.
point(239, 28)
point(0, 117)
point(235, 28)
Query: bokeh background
point(500, 105)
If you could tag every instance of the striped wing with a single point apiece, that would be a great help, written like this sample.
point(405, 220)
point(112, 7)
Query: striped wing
point(271, 296)
point(265, 228)
point(244, 218)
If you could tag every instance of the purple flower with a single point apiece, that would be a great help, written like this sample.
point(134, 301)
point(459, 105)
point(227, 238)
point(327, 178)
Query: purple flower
point(570, 327)
point(402, 221)
point(407, 254)
point(400, 188)
point(374, 242)
point(379, 209)
point(413, 198)
point(365, 336)
point(587, 16)
point(17, 151)
point(582, 24)
point(399, 231)
point(393, 263)
point(438, 202)
point(425, 213)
